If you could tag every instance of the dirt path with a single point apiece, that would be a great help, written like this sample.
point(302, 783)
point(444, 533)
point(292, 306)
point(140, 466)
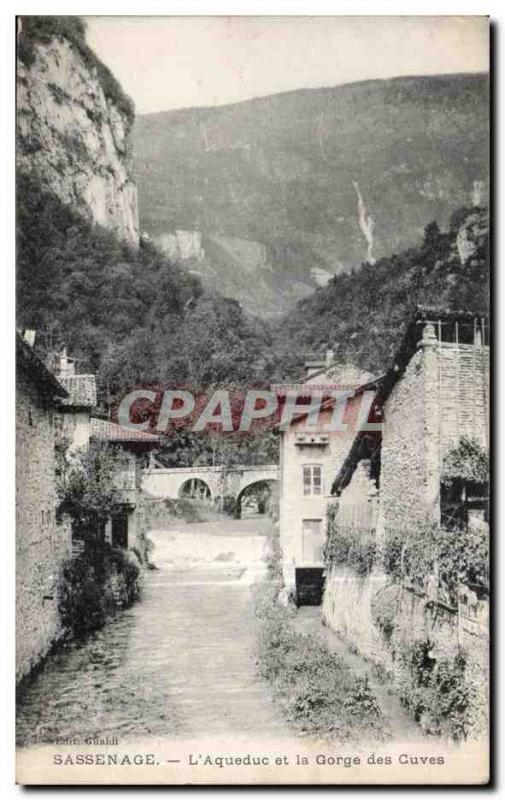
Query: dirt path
point(402, 727)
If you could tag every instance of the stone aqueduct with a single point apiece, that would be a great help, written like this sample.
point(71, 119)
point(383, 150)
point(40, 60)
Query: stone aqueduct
point(171, 482)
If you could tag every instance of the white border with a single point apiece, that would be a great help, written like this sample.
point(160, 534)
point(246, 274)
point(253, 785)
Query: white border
point(9, 9)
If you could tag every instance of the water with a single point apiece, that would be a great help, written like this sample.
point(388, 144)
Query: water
point(179, 663)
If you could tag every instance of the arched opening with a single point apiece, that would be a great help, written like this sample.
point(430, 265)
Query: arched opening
point(257, 499)
point(195, 489)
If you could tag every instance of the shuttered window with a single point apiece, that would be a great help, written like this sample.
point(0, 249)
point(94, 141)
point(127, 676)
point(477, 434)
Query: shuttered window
point(312, 479)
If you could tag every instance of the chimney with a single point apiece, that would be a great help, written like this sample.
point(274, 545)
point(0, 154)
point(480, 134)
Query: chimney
point(67, 365)
point(29, 337)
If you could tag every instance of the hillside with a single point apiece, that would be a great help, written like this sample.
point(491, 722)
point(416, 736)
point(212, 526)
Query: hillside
point(84, 279)
point(126, 313)
point(363, 315)
point(134, 314)
point(271, 185)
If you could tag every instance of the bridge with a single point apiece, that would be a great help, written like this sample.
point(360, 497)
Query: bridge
point(206, 483)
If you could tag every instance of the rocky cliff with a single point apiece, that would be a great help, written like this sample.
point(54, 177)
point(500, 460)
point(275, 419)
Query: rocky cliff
point(74, 124)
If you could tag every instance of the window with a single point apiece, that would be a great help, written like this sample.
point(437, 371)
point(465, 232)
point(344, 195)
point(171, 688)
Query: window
point(312, 479)
point(312, 541)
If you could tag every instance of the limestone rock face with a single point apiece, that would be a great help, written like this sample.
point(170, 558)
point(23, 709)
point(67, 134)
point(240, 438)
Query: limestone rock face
point(471, 235)
point(75, 139)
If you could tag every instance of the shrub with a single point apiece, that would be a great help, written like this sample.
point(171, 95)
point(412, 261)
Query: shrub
point(273, 556)
point(126, 570)
point(86, 486)
point(460, 556)
point(467, 462)
point(94, 585)
point(347, 546)
point(316, 690)
point(385, 606)
point(434, 689)
point(81, 601)
point(230, 505)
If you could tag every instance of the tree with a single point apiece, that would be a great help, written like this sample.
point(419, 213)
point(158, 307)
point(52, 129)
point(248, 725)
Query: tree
point(86, 490)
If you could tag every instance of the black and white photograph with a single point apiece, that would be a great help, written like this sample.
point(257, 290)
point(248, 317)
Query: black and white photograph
point(252, 400)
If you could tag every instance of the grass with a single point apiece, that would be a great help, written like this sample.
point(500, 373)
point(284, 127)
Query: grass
point(317, 692)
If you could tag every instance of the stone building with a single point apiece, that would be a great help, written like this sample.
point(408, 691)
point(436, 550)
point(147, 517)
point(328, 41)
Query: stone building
point(78, 429)
point(126, 526)
point(76, 408)
point(435, 395)
point(392, 483)
point(308, 462)
point(51, 413)
point(41, 544)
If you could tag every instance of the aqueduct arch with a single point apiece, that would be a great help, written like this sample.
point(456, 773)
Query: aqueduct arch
point(196, 489)
point(269, 483)
point(168, 482)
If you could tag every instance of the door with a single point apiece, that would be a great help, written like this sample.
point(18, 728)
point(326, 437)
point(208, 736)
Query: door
point(120, 530)
point(312, 541)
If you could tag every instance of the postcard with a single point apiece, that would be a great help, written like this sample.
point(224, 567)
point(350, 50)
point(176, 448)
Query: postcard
point(253, 429)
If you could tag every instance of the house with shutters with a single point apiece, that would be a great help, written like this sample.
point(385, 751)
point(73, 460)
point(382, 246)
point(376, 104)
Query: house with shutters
point(78, 428)
point(309, 460)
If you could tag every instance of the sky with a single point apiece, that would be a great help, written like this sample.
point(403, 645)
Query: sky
point(175, 62)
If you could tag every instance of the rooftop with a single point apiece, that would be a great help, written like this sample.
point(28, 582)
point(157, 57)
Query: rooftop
point(36, 371)
point(81, 390)
point(107, 431)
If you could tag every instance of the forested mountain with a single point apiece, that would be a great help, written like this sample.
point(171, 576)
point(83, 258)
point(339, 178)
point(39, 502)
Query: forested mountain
point(129, 314)
point(363, 315)
point(133, 316)
point(271, 185)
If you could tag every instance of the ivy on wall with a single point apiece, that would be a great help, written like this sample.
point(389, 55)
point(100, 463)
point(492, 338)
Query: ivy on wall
point(348, 546)
point(468, 462)
point(434, 690)
point(451, 557)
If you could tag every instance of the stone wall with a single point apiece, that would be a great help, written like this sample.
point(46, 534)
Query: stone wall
point(41, 544)
point(406, 495)
point(349, 608)
point(442, 396)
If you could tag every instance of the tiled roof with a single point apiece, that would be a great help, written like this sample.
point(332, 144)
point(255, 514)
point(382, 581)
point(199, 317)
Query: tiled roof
point(81, 390)
point(32, 366)
point(437, 312)
point(111, 432)
point(339, 373)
